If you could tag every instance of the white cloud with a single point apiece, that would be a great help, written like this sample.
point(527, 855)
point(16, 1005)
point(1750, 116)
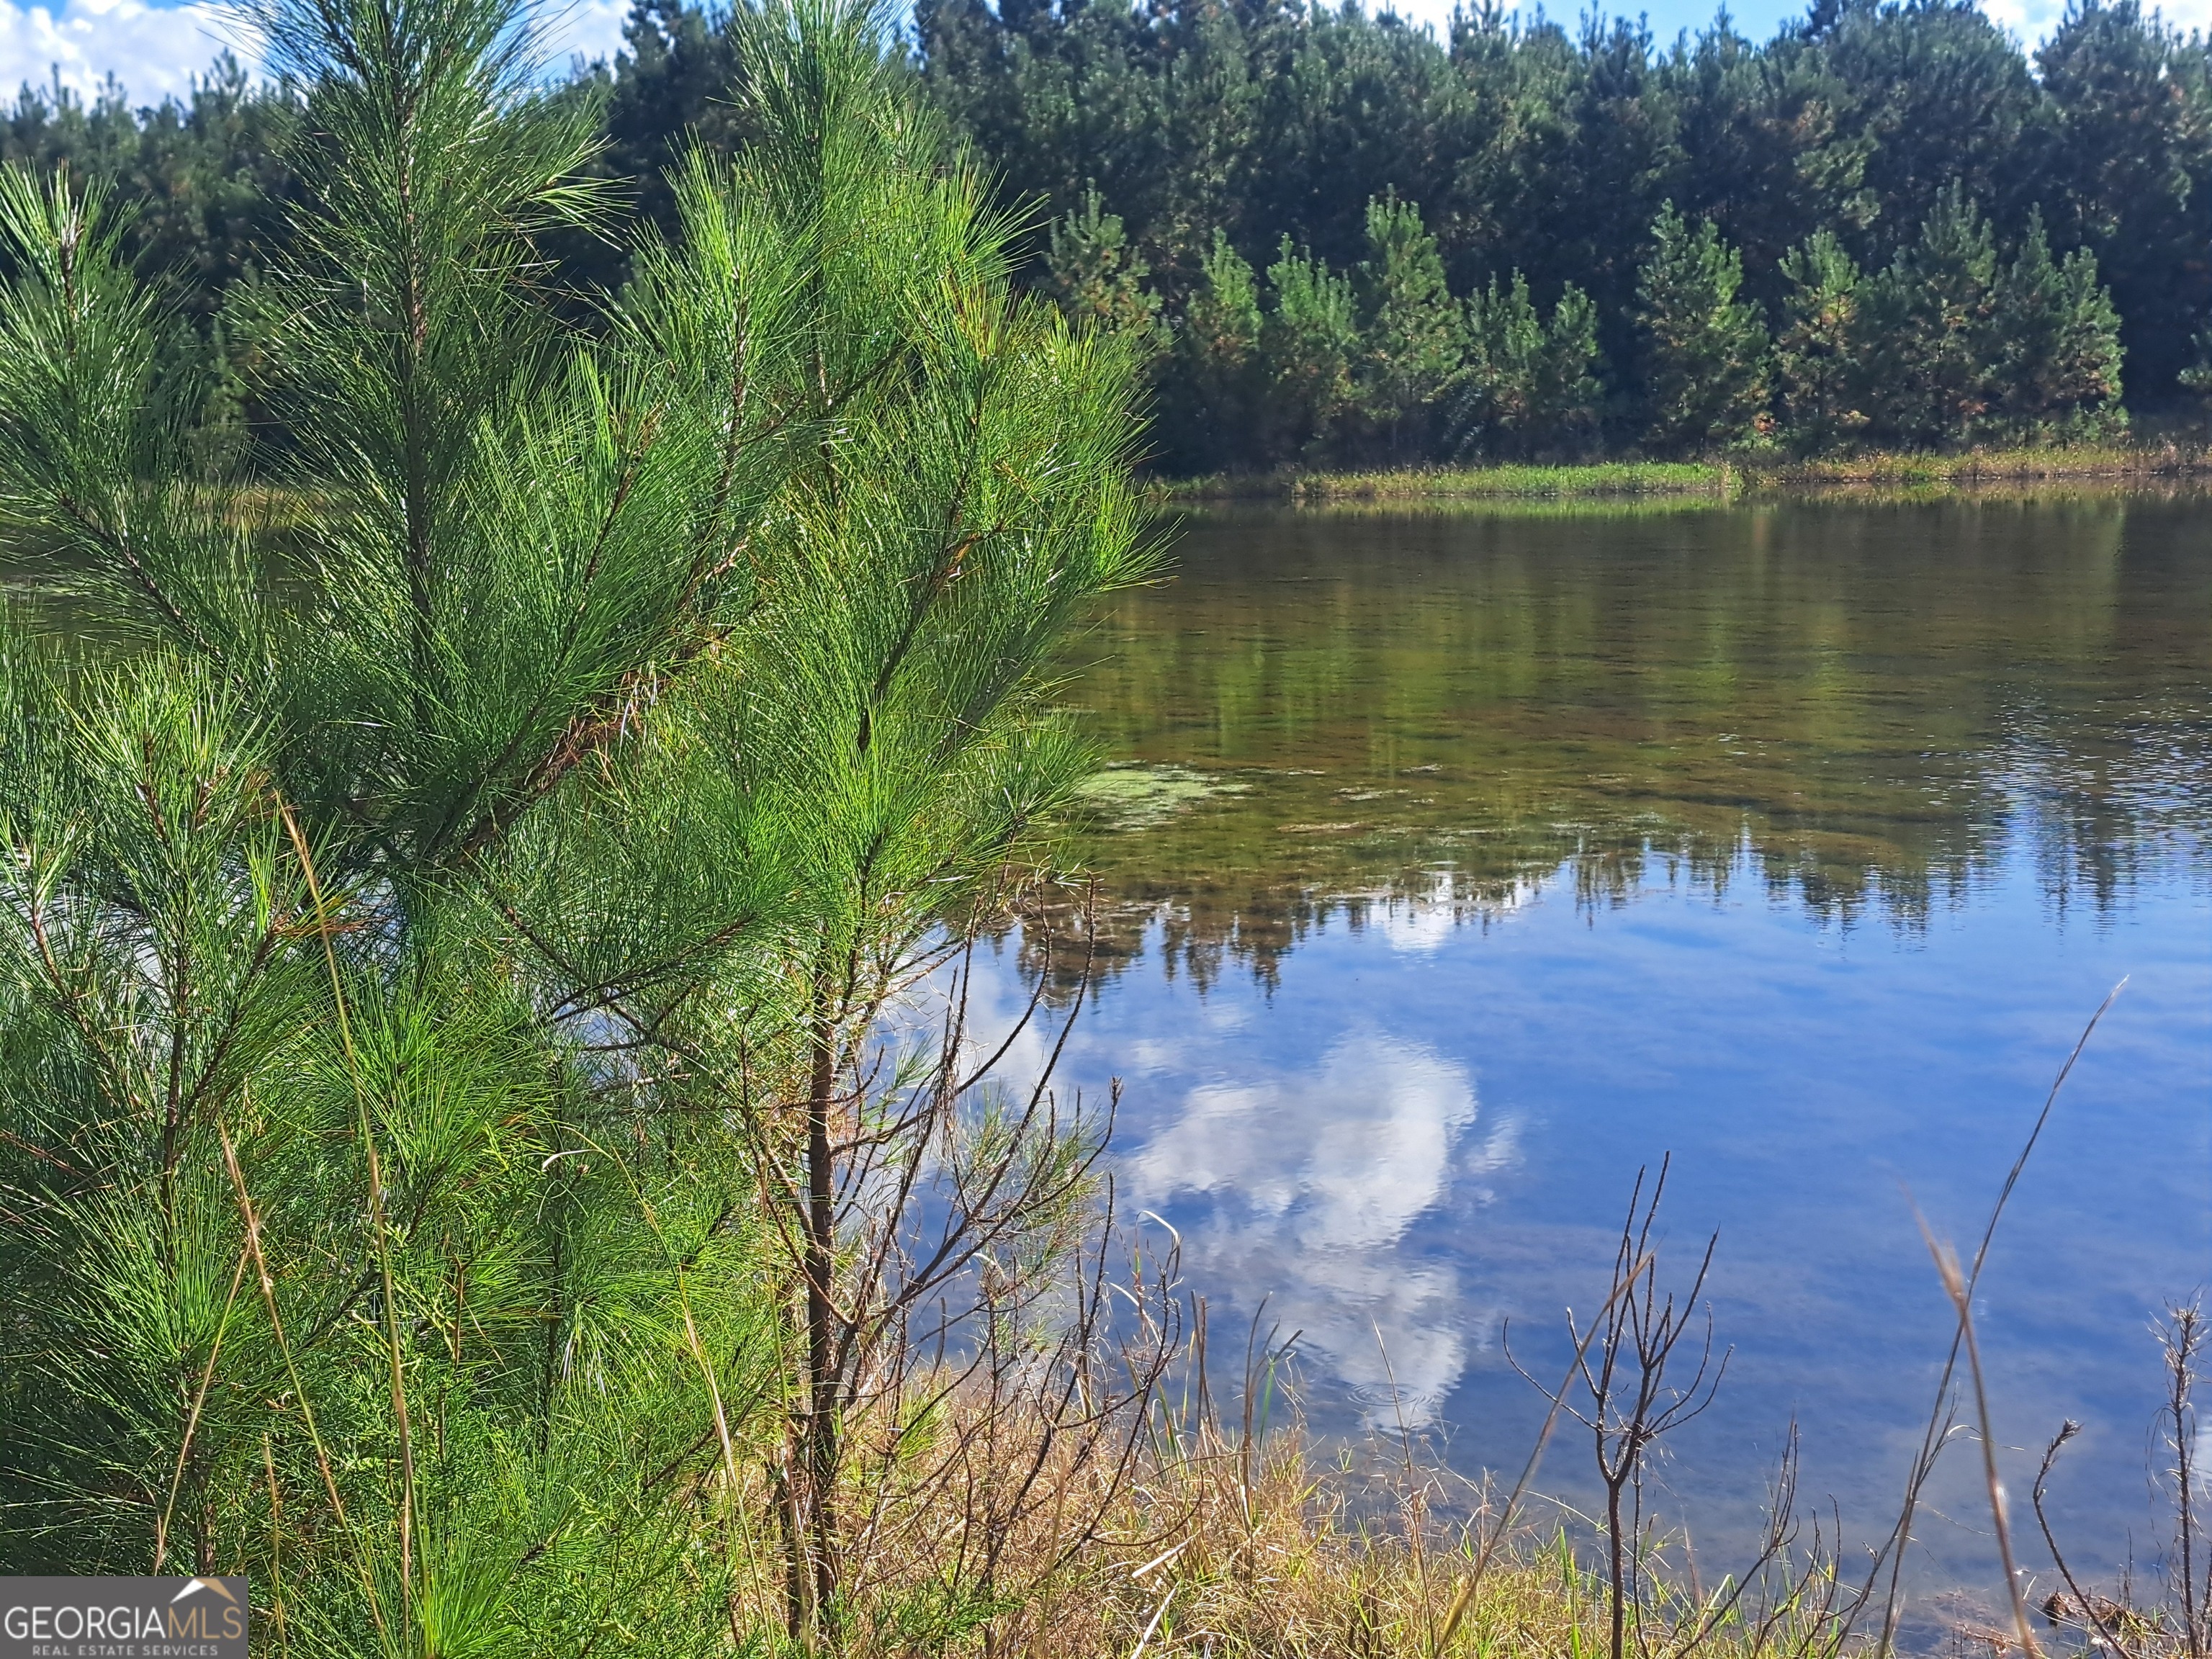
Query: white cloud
point(156, 51)
point(2032, 20)
point(583, 28)
point(2024, 20)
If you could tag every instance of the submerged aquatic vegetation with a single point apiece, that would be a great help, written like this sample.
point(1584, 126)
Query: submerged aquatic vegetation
point(1617, 486)
point(1136, 796)
point(1603, 480)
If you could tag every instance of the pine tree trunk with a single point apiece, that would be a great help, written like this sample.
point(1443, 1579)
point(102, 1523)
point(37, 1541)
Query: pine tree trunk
point(822, 1446)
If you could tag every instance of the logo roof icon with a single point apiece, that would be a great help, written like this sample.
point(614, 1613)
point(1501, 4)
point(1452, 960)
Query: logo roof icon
point(192, 1584)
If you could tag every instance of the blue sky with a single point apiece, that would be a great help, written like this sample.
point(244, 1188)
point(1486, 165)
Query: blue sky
point(157, 48)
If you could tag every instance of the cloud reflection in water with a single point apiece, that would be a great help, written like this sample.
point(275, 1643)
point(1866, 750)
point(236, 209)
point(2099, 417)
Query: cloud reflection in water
point(1313, 1180)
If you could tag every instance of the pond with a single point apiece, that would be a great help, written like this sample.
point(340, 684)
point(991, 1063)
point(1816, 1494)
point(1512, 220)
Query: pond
point(1455, 868)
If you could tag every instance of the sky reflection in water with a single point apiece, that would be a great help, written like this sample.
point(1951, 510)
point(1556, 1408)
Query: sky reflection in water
point(1797, 842)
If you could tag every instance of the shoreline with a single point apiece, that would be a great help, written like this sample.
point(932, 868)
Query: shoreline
point(2101, 468)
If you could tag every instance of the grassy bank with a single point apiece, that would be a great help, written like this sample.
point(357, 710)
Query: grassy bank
point(2122, 466)
point(2114, 466)
point(1603, 480)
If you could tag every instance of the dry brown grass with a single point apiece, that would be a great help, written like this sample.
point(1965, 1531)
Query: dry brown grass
point(1209, 1542)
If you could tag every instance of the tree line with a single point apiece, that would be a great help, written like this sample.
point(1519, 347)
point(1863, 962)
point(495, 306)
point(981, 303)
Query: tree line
point(1887, 224)
point(1954, 341)
point(1345, 240)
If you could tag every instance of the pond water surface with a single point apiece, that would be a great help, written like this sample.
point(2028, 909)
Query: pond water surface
point(1457, 867)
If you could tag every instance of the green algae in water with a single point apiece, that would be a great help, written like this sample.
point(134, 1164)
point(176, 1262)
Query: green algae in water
point(1137, 797)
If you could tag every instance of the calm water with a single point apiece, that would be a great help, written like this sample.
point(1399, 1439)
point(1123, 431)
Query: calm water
point(1458, 866)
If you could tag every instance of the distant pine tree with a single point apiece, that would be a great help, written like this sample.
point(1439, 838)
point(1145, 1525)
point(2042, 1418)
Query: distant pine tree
point(1211, 383)
point(1411, 330)
point(1705, 346)
point(1097, 276)
point(1818, 364)
point(2059, 344)
point(1568, 397)
point(2198, 376)
point(2126, 157)
point(1527, 387)
point(1935, 339)
point(1311, 343)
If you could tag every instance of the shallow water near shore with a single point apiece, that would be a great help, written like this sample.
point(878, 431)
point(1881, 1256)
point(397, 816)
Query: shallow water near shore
point(1456, 868)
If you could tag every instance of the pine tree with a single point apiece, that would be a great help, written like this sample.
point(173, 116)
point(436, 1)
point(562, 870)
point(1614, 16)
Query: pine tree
point(1310, 343)
point(1818, 356)
point(1213, 378)
point(1097, 276)
point(1528, 387)
point(440, 971)
point(1705, 346)
point(2123, 163)
point(1411, 327)
point(1934, 337)
point(2198, 376)
point(2059, 365)
point(1570, 395)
